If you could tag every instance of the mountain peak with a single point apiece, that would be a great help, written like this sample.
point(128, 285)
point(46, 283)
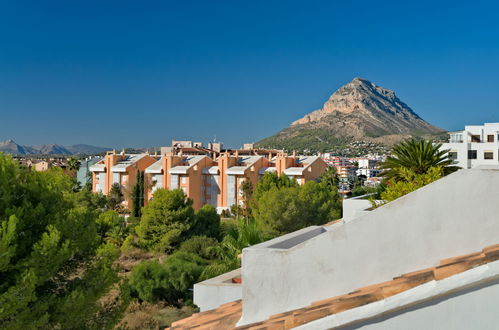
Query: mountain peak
point(359, 110)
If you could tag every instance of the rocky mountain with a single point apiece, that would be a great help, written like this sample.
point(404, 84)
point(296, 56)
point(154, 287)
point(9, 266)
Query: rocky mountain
point(11, 147)
point(357, 111)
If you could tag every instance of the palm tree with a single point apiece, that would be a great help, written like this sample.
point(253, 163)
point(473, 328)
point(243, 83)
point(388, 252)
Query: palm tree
point(417, 156)
point(73, 164)
point(244, 234)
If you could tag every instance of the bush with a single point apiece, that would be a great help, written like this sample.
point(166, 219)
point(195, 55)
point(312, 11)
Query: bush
point(207, 222)
point(149, 281)
point(201, 246)
point(286, 209)
point(170, 282)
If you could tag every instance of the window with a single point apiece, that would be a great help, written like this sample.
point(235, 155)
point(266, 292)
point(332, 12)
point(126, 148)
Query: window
point(453, 155)
point(475, 138)
point(490, 138)
point(183, 180)
point(488, 155)
point(471, 154)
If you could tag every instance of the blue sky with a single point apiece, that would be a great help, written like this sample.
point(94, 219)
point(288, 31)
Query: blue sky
point(139, 73)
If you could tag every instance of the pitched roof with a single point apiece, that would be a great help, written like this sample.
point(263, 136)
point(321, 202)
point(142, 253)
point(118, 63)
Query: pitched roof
point(229, 313)
point(122, 165)
point(155, 167)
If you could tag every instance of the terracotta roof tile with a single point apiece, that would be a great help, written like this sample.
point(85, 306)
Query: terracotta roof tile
point(227, 315)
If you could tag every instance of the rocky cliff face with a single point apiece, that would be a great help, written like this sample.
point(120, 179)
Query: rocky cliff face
point(360, 110)
point(374, 110)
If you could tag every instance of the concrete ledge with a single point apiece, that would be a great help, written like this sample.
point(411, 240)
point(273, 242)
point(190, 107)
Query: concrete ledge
point(217, 291)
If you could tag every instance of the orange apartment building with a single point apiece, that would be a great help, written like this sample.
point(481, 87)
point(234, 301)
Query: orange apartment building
point(218, 181)
point(118, 168)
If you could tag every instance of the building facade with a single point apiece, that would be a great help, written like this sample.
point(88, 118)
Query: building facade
point(474, 146)
point(219, 181)
point(121, 169)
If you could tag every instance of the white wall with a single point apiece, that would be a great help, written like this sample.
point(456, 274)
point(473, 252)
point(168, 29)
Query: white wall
point(453, 216)
point(217, 291)
point(475, 308)
point(354, 207)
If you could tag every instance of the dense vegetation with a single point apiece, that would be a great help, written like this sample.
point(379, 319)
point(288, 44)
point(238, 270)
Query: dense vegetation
point(55, 261)
point(71, 260)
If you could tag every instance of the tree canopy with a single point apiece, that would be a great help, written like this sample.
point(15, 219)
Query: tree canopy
point(53, 269)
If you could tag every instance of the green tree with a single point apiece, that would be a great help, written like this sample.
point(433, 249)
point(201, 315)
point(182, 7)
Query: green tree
point(283, 210)
point(73, 164)
point(417, 156)
point(271, 180)
point(170, 282)
point(111, 227)
point(53, 269)
point(166, 220)
point(138, 195)
point(244, 234)
point(330, 178)
point(115, 197)
point(201, 246)
point(408, 181)
point(207, 222)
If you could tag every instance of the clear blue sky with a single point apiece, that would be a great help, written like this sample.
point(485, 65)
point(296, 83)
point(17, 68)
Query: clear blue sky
point(139, 73)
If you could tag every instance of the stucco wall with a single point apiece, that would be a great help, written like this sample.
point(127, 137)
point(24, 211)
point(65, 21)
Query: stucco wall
point(474, 308)
point(216, 291)
point(453, 216)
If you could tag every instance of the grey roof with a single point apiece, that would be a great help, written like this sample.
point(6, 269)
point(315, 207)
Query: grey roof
point(294, 170)
point(97, 168)
point(191, 160)
point(179, 170)
point(263, 170)
point(129, 160)
point(213, 170)
point(237, 170)
point(155, 168)
point(306, 159)
point(244, 162)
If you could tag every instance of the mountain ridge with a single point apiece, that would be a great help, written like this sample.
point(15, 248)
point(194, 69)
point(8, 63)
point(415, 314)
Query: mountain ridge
point(357, 111)
point(11, 147)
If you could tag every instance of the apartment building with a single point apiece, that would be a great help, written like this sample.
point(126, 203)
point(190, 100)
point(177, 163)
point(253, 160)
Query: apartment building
point(475, 145)
point(218, 181)
point(118, 168)
point(185, 172)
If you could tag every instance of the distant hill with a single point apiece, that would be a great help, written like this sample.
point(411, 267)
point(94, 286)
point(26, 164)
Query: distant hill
point(357, 111)
point(11, 147)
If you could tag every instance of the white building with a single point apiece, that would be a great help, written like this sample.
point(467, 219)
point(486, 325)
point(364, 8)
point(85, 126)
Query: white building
point(475, 145)
point(428, 260)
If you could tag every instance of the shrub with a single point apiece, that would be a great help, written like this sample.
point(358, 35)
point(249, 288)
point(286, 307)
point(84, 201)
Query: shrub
point(201, 246)
point(149, 281)
point(286, 209)
point(171, 282)
point(207, 222)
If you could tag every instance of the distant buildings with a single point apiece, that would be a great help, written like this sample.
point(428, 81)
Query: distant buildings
point(475, 145)
point(206, 176)
point(84, 175)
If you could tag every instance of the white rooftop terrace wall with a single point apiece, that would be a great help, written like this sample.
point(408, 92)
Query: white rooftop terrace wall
point(217, 291)
point(456, 215)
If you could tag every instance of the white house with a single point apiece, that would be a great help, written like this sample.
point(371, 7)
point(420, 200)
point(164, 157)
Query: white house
point(475, 145)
